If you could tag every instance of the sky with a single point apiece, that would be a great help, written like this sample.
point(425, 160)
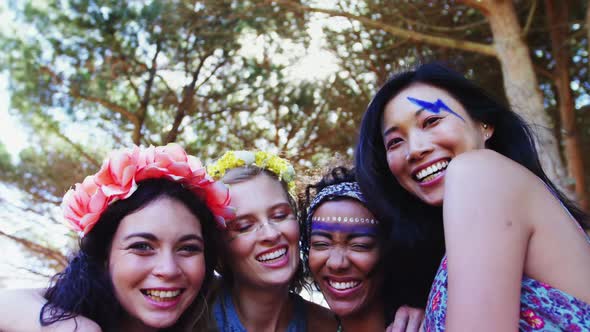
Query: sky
point(11, 132)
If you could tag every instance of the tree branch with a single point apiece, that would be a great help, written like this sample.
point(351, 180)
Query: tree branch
point(45, 252)
point(132, 117)
point(76, 147)
point(529, 19)
point(458, 44)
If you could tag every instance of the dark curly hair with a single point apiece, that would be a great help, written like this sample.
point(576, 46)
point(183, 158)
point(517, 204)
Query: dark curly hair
point(390, 290)
point(85, 288)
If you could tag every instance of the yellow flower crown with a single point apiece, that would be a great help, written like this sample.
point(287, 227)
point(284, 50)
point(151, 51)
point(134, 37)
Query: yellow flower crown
point(268, 161)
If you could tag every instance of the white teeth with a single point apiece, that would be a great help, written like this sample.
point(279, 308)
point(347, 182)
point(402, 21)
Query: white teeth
point(158, 294)
point(272, 255)
point(343, 285)
point(430, 170)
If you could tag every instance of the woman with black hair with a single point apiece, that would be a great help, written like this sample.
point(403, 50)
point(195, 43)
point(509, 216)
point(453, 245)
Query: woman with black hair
point(146, 257)
point(343, 248)
point(458, 175)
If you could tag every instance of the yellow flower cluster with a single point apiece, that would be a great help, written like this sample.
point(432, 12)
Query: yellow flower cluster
point(268, 161)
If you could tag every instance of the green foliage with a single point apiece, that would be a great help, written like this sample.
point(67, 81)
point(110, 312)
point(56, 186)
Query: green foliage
point(90, 75)
point(6, 166)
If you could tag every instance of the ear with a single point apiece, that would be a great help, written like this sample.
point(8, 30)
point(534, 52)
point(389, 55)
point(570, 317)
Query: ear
point(487, 131)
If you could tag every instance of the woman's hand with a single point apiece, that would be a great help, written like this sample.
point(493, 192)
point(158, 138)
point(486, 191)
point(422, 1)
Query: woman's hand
point(407, 319)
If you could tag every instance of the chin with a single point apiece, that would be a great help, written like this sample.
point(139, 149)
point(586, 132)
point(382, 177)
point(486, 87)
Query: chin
point(343, 310)
point(280, 280)
point(161, 321)
point(432, 198)
point(435, 202)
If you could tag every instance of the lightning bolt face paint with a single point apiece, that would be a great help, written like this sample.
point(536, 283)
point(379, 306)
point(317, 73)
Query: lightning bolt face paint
point(435, 107)
point(356, 229)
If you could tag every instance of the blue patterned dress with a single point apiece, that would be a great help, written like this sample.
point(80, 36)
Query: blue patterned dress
point(542, 307)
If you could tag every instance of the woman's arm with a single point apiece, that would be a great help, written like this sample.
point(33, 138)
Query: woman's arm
point(20, 308)
point(486, 234)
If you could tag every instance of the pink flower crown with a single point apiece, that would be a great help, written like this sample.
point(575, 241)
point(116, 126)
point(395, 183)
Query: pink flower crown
point(123, 169)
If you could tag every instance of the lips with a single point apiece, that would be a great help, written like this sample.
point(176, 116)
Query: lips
point(272, 255)
point(342, 288)
point(162, 295)
point(343, 285)
point(430, 171)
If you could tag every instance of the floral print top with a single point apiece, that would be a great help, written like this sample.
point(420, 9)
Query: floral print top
point(542, 307)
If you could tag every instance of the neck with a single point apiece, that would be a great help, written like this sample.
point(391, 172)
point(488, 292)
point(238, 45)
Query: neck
point(369, 319)
point(265, 310)
point(135, 325)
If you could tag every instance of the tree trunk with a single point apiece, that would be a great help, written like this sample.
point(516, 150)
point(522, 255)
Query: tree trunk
point(520, 83)
point(588, 30)
point(557, 15)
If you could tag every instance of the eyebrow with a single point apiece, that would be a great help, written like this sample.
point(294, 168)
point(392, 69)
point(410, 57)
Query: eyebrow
point(276, 206)
point(390, 130)
point(395, 128)
point(152, 237)
point(189, 237)
point(147, 236)
point(279, 205)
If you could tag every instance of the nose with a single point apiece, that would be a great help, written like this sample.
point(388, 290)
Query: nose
point(338, 260)
point(268, 232)
point(418, 146)
point(166, 266)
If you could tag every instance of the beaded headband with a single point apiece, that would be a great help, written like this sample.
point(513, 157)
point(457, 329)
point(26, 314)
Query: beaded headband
point(339, 190)
point(264, 160)
point(351, 220)
point(118, 177)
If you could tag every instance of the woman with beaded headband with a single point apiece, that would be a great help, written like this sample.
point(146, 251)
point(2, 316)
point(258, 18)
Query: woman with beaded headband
point(344, 251)
point(146, 255)
point(456, 171)
point(260, 268)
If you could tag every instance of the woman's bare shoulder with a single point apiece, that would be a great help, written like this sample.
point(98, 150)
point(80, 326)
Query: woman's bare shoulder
point(20, 308)
point(488, 161)
point(491, 176)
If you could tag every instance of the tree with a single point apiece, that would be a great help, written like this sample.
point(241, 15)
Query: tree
point(418, 23)
point(119, 72)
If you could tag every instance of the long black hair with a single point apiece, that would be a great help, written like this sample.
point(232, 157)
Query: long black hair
point(85, 288)
point(416, 225)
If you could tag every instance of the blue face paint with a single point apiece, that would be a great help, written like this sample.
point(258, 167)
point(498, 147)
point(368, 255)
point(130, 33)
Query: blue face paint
point(356, 229)
point(435, 107)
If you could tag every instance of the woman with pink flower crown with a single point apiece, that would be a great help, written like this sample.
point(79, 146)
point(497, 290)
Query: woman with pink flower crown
point(146, 255)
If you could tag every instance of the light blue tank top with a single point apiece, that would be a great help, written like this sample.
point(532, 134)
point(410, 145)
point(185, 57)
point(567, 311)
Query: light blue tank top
point(228, 321)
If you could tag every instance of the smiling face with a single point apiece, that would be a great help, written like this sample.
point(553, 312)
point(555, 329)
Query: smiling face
point(343, 256)
point(157, 262)
point(424, 128)
point(263, 240)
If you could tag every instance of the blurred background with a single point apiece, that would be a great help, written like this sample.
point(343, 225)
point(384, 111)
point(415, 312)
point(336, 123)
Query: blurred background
point(81, 77)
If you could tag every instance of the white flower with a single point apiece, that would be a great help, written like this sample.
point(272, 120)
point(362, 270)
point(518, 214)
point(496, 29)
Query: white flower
point(247, 156)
